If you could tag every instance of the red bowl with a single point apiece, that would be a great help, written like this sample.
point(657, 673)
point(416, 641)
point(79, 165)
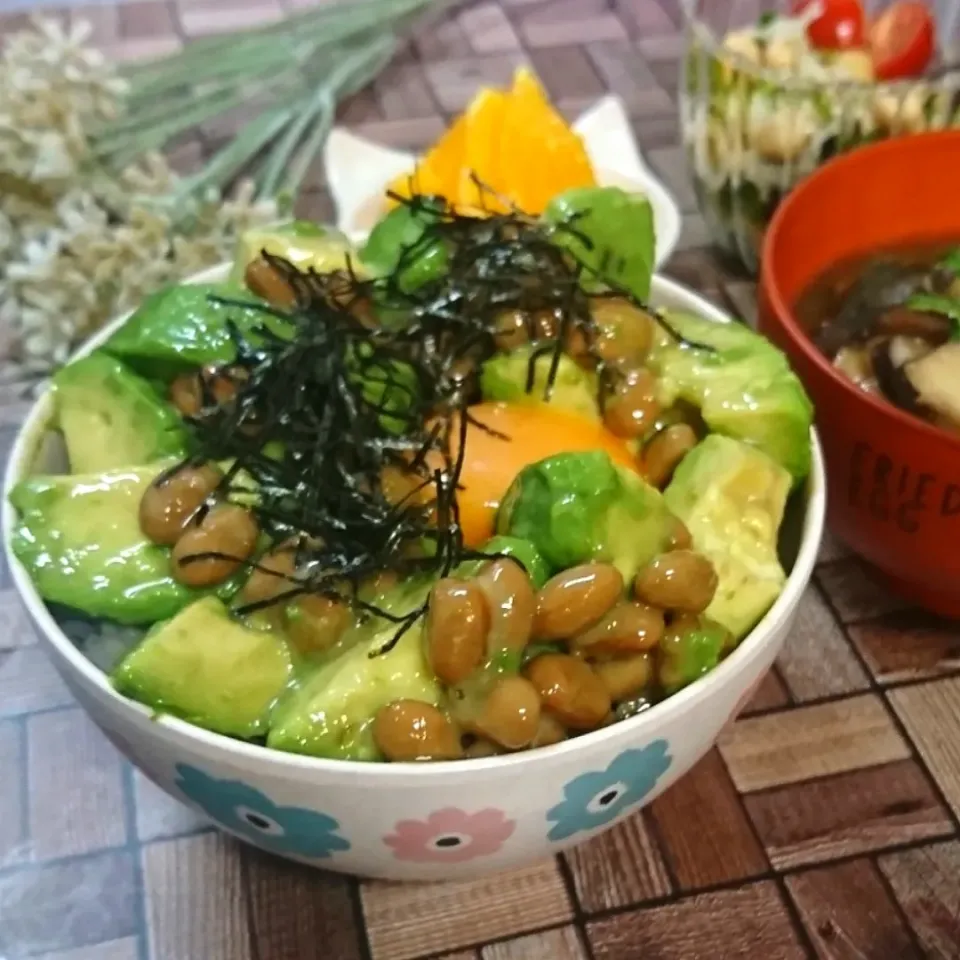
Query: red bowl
point(893, 481)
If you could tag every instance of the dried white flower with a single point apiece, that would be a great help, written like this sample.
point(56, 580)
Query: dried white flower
point(78, 244)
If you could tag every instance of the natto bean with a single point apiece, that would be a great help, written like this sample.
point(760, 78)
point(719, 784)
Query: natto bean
point(575, 599)
point(626, 628)
point(410, 730)
point(570, 689)
point(510, 716)
point(458, 620)
point(678, 580)
point(511, 602)
point(172, 499)
point(228, 530)
point(662, 455)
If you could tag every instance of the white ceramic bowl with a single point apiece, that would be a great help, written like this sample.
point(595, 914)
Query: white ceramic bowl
point(433, 821)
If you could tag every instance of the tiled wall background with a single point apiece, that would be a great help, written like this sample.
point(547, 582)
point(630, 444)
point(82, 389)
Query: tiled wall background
point(826, 824)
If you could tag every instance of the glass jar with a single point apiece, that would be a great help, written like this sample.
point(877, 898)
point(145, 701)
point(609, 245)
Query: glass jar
point(756, 117)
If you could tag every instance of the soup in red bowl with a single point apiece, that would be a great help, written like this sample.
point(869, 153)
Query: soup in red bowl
point(860, 285)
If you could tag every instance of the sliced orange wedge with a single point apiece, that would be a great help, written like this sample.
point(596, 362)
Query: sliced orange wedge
point(548, 156)
point(439, 168)
point(514, 142)
point(482, 160)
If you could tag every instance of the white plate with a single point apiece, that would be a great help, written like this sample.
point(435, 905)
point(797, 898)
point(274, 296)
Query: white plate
point(358, 171)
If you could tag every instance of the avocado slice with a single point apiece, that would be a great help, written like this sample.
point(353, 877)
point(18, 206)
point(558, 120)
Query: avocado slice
point(504, 377)
point(180, 328)
point(79, 538)
point(686, 656)
point(396, 245)
point(521, 550)
point(209, 669)
point(306, 245)
point(611, 232)
point(732, 497)
point(111, 417)
point(581, 507)
point(742, 385)
point(331, 712)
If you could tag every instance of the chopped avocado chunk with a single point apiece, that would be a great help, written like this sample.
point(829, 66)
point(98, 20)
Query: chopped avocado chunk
point(505, 376)
point(525, 552)
point(579, 507)
point(521, 550)
point(399, 244)
point(744, 387)
point(731, 497)
point(79, 538)
point(180, 328)
point(209, 669)
point(331, 711)
point(111, 417)
point(389, 386)
point(688, 655)
point(308, 246)
point(611, 232)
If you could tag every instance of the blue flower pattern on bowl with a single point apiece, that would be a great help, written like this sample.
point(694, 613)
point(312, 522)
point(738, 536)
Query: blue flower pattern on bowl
point(283, 830)
point(594, 799)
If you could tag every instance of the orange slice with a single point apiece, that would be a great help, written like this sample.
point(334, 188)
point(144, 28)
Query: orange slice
point(440, 168)
point(549, 157)
point(482, 157)
point(515, 142)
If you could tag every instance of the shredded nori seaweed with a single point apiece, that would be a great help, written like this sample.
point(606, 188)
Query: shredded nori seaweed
point(331, 399)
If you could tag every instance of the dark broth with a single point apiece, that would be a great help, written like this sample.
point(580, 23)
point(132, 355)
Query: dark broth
point(890, 322)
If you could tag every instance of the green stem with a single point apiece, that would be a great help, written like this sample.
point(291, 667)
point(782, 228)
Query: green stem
point(234, 157)
point(301, 67)
point(318, 106)
point(298, 169)
point(171, 104)
point(332, 22)
point(153, 129)
point(176, 111)
point(355, 73)
point(136, 142)
point(249, 57)
point(245, 60)
point(334, 76)
point(203, 81)
point(202, 49)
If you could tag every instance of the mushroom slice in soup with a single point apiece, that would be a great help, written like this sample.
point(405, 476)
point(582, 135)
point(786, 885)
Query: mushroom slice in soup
point(855, 364)
point(905, 321)
point(936, 379)
point(889, 358)
point(881, 287)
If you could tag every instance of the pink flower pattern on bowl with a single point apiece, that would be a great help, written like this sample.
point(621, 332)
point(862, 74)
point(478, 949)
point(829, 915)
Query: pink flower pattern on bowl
point(450, 836)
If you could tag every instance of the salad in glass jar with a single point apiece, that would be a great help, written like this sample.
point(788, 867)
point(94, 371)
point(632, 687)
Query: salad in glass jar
point(766, 102)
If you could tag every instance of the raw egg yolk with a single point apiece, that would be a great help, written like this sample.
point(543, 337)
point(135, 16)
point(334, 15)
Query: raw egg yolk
point(528, 433)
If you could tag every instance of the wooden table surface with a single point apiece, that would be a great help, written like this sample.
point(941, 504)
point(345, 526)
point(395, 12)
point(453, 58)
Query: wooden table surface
point(825, 824)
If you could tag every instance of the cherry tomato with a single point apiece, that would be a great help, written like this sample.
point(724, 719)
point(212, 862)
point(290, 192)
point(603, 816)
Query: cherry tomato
point(902, 40)
point(842, 23)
